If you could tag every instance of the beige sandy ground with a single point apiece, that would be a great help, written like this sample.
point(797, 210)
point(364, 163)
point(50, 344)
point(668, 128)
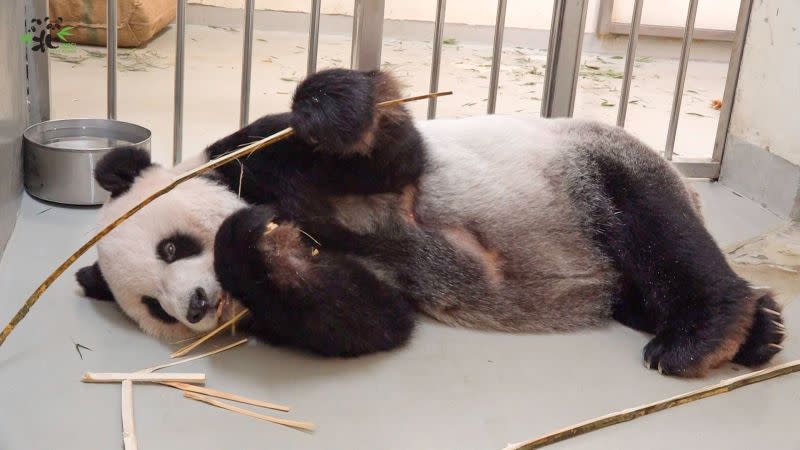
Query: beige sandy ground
point(213, 68)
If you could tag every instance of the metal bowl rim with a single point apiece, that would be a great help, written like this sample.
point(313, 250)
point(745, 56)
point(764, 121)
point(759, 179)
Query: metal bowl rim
point(147, 133)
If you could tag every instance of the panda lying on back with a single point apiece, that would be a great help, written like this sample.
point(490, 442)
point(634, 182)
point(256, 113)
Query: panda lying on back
point(502, 223)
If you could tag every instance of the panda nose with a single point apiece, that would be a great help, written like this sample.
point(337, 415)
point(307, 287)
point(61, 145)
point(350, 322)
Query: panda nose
point(198, 306)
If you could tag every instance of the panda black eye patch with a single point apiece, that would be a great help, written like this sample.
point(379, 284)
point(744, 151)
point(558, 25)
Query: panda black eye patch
point(178, 246)
point(155, 309)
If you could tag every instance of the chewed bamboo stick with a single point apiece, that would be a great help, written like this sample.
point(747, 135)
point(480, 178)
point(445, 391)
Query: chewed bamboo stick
point(213, 164)
point(625, 415)
point(128, 426)
point(226, 395)
point(141, 377)
point(308, 426)
point(185, 360)
point(209, 335)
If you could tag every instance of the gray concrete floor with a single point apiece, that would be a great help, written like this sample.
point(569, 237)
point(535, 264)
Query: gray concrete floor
point(449, 389)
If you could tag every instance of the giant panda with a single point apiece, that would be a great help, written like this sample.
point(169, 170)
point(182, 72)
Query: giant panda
point(335, 238)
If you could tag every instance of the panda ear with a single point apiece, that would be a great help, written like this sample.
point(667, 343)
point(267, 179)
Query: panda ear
point(117, 170)
point(94, 285)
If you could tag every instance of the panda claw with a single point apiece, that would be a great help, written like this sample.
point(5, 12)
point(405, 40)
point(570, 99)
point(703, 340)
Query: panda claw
point(779, 325)
point(776, 346)
point(771, 311)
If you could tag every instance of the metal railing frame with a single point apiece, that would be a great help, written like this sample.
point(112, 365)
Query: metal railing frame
point(561, 76)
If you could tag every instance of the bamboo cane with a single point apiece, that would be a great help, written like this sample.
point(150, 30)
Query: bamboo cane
point(598, 423)
point(306, 426)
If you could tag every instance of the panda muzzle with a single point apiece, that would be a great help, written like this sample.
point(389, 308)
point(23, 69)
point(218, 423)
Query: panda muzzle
point(198, 306)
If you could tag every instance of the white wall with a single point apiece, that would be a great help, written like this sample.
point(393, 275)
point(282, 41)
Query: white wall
point(765, 111)
point(711, 14)
point(520, 13)
point(13, 113)
point(535, 14)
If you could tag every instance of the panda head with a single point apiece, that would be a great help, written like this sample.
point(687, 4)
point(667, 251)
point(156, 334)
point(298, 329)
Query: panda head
point(159, 264)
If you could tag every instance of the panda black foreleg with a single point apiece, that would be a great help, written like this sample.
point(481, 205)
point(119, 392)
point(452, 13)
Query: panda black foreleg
point(321, 301)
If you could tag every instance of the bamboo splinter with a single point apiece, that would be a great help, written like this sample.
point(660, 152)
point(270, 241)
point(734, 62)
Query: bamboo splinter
point(634, 413)
point(128, 426)
point(142, 377)
point(193, 358)
point(209, 335)
point(289, 423)
point(225, 395)
point(213, 164)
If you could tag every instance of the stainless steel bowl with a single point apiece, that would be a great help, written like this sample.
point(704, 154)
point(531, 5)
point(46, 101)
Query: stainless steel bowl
point(60, 156)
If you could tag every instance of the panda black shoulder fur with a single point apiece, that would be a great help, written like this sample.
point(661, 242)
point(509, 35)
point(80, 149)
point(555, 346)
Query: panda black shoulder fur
point(364, 217)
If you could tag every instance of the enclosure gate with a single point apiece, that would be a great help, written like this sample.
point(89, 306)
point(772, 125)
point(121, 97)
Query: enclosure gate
point(561, 73)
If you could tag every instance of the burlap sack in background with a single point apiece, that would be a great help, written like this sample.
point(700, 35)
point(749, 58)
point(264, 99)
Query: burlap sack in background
point(137, 20)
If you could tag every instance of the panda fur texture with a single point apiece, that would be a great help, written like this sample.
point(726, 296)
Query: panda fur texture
point(517, 224)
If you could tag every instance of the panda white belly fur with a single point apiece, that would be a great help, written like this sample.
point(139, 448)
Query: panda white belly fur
point(486, 188)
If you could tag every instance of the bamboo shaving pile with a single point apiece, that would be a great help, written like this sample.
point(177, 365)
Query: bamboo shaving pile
point(188, 384)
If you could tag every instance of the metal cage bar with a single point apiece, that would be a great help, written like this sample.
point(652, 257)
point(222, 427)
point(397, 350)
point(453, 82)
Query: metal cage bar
point(367, 34)
point(731, 81)
point(630, 57)
point(111, 50)
point(497, 54)
point(313, 36)
point(563, 57)
point(436, 59)
point(180, 43)
point(247, 63)
point(682, 66)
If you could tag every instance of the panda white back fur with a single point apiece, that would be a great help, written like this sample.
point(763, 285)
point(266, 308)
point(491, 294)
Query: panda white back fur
point(506, 223)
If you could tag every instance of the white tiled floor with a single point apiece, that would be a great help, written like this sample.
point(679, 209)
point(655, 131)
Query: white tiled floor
point(449, 389)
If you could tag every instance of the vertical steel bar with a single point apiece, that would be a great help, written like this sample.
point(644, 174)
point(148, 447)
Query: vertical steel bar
point(678, 95)
point(564, 57)
point(731, 80)
point(630, 57)
point(313, 36)
point(367, 35)
point(553, 49)
point(111, 49)
point(177, 131)
point(497, 54)
point(436, 60)
point(247, 63)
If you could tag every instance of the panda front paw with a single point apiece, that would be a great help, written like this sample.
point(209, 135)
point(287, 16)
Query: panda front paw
point(334, 109)
point(238, 262)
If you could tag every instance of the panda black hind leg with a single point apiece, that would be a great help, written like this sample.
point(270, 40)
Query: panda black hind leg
point(301, 296)
point(680, 287)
